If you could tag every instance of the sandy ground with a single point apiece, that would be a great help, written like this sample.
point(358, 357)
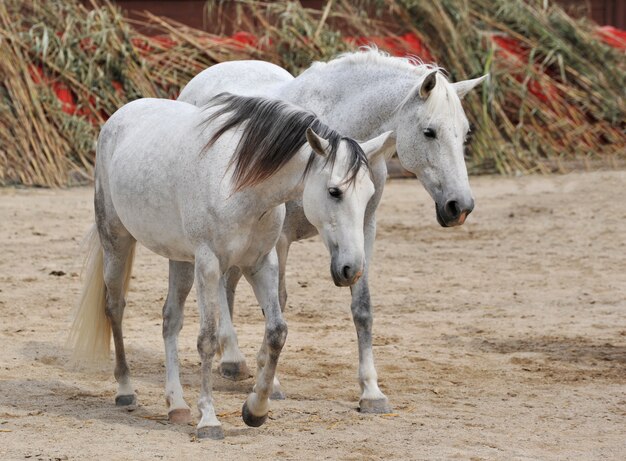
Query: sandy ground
point(504, 339)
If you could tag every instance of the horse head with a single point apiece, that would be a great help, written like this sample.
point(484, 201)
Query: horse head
point(336, 193)
point(431, 132)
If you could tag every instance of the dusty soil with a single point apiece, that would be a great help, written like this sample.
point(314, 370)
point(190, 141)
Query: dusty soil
point(504, 339)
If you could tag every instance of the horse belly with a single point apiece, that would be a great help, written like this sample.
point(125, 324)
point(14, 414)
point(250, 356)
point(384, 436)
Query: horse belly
point(146, 204)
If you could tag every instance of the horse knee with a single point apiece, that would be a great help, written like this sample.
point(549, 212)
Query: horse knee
point(207, 343)
point(276, 336)
point(362, 318)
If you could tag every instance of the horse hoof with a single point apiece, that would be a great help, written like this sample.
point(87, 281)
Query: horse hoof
point(278, 395)
point(250, 419)
point(179, 415)
point(379, 406)
point(235, 371)
point(210, 432)
point(125, 400)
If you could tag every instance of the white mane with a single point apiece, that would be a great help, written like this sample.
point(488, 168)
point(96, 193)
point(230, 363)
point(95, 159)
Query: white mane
point(373, 56)
point(443, 98)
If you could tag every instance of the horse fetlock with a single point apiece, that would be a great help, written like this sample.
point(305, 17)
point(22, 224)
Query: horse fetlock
point(208, 418)
point(257, 405)
point(254, 411)
point(122, 374)
point(370, 390)
point(174, 399)
point(368, 378)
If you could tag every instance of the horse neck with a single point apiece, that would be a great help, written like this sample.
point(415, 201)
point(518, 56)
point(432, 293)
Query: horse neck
point(284, 185)
point(358, 100)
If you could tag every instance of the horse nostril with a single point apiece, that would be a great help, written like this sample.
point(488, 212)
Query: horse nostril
point(453, 209)
point(346, 272)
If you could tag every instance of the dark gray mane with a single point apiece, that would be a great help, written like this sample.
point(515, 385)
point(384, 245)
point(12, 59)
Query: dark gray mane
point(273, 132)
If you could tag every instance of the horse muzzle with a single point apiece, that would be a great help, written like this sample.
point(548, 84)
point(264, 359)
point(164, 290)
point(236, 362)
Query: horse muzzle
point(453, 212)
point(345, 275)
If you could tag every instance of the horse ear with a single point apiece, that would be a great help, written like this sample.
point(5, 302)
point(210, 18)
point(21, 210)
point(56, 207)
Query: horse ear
point(428, 84)
point(317, 143)
point(465, 86)
point(382, 146)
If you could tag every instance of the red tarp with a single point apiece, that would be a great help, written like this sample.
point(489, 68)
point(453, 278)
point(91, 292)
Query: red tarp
point(408, 44)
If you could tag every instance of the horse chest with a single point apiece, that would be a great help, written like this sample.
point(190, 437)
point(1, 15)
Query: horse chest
point(248, 243)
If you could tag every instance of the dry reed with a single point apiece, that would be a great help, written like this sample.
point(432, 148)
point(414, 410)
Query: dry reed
point(556, 97)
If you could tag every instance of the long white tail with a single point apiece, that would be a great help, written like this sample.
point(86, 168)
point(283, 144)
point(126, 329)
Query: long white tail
point(90, 333)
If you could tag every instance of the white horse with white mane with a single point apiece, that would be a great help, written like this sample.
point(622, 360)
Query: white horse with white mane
point(206, 189)
point(361, 94)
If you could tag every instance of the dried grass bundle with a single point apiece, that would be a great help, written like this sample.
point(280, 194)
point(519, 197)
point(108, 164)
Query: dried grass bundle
point(556, 98)
point(66, 68)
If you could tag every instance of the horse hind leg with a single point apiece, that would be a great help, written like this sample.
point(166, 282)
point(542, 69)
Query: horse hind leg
point(115, 280)
point(232, 362)
point(117, 258)
point(118, 253)
point(181, 280)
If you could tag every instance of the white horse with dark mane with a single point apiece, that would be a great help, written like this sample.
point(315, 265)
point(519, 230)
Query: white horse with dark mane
point(361, 94)
point(206, 189)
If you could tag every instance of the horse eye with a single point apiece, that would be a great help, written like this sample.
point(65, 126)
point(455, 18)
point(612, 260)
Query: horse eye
point(335, 192)
point(430, 133)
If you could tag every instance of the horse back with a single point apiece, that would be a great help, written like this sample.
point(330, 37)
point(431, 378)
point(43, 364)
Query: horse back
point(244, 78)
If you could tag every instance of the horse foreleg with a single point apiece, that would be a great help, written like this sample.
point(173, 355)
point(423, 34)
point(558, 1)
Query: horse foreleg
point(264, 280)
point(372, 399)
point(180, 283)
point(211, 292)
point(282, 251)
point(232, 362)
